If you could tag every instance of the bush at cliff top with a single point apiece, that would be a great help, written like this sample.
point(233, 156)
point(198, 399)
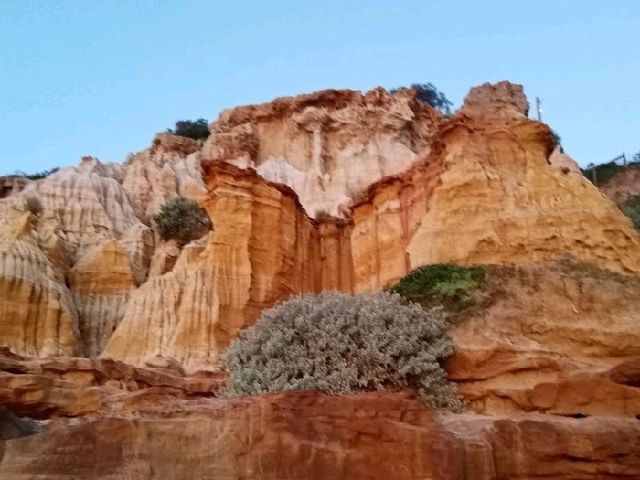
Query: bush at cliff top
point(198, 129)
point(340, 343)
point(181, 219)
point(429, 94)
point(442, 284)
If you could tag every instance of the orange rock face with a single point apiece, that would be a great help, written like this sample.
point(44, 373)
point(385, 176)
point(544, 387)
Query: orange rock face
point(170, 429)
point(549, 338)
point(333, 190)
point(484, 187)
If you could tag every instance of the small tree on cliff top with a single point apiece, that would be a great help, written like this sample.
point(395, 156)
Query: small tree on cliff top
point(198, 129)
point(429, 94)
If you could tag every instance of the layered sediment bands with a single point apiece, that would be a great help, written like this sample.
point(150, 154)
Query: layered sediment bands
point(101, 282)
point(546, 447)
point(90, 203)
point(37, 314)
point(88, 222)
point(173, 315)
point(84, 388)
point(304, 435)
point(296, 435)
point(327, 146)
point(264, 247)
point(554, 337)
point(499, 200)
point(170, 167)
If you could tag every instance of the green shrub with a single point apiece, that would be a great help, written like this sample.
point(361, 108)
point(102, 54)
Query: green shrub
point(442, 284)
point(340, 343)
point(198, 129)
point(181, 219)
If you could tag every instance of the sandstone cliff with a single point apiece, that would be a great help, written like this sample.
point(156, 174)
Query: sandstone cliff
point(328, 146)
point(171, 429)
point(484, 186)
point(77, 243)
point(333, 190)
point(488, 189)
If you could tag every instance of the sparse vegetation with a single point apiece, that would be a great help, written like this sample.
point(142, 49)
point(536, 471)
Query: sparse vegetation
point(450, 285)
point(37, 175)
point(429, 94)
point(181, 219)
point(631, 208)
point(340, 343)
point(557, 139)
point(606, 171)
point(196, 129)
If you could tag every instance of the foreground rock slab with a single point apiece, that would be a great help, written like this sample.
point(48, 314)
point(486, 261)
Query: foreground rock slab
point(301, 435)
point(313, 436)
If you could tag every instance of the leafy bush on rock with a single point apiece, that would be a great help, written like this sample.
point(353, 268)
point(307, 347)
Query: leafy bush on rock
point(445, 284)
point(196, 129)
point(340, 343)
point(429, 94)
point(181, 219)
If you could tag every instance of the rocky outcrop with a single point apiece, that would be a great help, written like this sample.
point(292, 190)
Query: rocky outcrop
point(546, 447)
point(84, 227)
point(299, 436)
point(172, 430)
point(556, 337)
point(89, 388)
point(490, 190)
point(170, 167)
point(101, 282)
point(327, 146)
point(172, 315)
point(37, 314)
point(10, 184)
point(499, 200)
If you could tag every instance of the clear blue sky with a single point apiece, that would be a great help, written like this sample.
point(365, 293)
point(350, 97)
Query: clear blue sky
point(101, 77)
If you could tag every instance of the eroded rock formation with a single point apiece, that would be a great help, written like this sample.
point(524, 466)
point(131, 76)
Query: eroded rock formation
point(77, 243)
point(333, 190)
point(488, 187)
point(141, 422)
point(548, 337)
point(327, 146)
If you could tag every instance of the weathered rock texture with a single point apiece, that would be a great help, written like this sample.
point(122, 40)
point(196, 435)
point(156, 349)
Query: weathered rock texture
point(89, 388)
point(328, 146)
point(82, 274)
point(170, 167)
point(85, 227)
point(101, 282)
point(548, 337)
point(173, 315)
point(11, 184)
point(138, 423)
point(547, 447)
point(484, 187)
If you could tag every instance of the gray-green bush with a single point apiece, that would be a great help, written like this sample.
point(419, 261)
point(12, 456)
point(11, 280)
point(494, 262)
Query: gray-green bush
point(340, 343)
